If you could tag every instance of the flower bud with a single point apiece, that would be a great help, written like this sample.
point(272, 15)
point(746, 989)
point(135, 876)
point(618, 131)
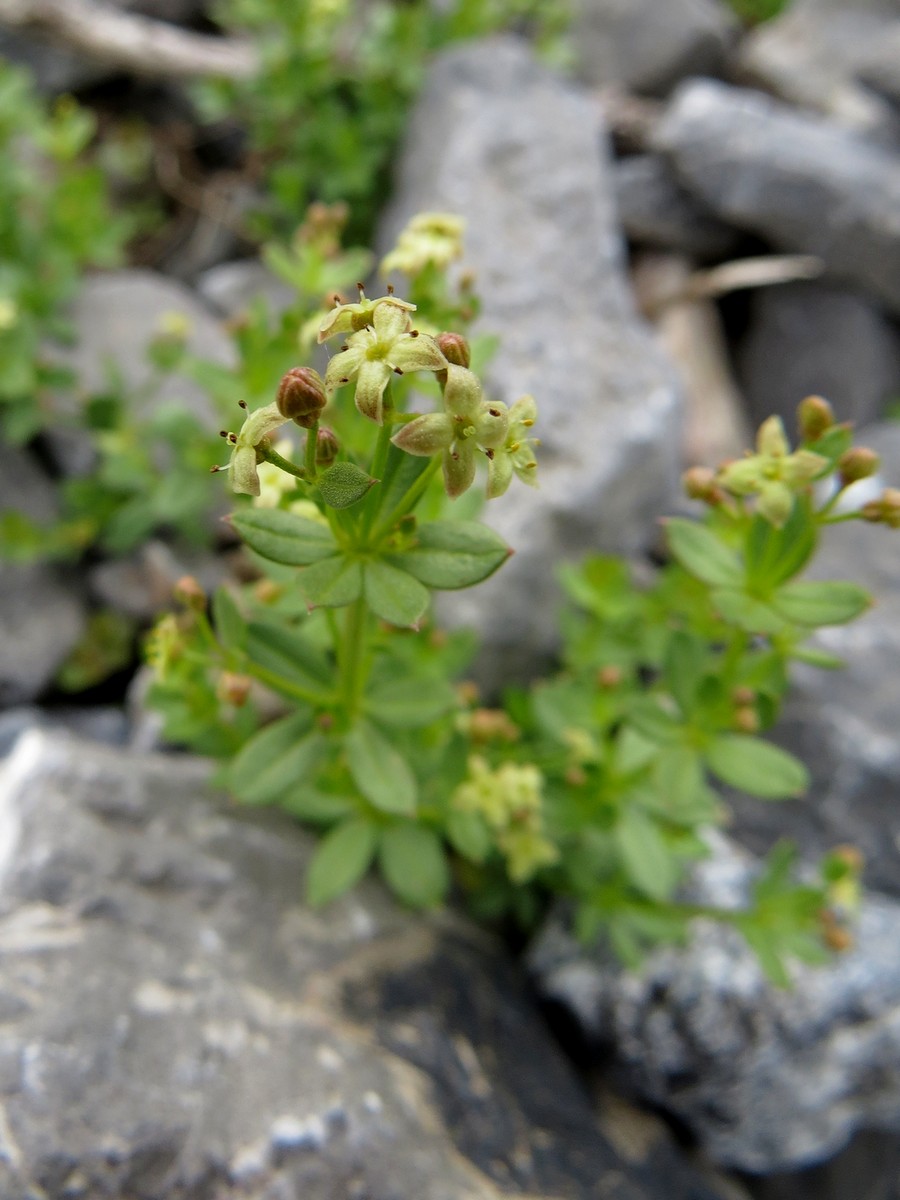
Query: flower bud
point(857, 463)
point(699, 483)
point(814, 416)
point(233, 689)
point(455, 348)
point(849, 856)
point(301, 396)
point(327, 447)
point(885, 510)
point(743, 696)
point(189, 592)
point(609, 676)
point(746, 719)
point(836, 936)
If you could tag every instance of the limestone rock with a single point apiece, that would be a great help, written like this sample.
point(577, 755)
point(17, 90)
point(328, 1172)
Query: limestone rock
point(230, 287)
point(518, 153)
point(648, 46)
point(818, 339)
point(799, 181)
point(177, 1025)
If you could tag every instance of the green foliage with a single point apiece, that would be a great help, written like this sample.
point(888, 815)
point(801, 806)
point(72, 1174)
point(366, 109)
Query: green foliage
point(327, 108)
point(597, 784)
point(756, 11)
point(55, 220)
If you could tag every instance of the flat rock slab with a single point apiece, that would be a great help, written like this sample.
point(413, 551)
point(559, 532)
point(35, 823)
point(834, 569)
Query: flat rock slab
point(176, 1025)
point(519, 153)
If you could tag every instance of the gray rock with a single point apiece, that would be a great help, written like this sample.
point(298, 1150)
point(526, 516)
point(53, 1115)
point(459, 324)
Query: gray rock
point(766, 1079)
point(656, 211)
point(815, 339)
point(797, 180)
point(116, 315)
point(42, 615)
point(648, 46)
point(844, 723)
point(817, 54)
point(97, 723)
point(142, 584)
point(514, 150)
point(880, 69)
point(176, 1025)
point(231, 287)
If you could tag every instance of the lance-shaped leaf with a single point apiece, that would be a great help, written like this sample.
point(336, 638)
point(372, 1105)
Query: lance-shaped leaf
point(288, 654)
point(380, 773)
point(393, 595)
point(275, 760)
point(755, 766)
point(703, 554)
point(284, 537)
point(453, 554)
point(414, 864)
point(826, 603)
point(231, 629)
point(332, 582)
point(341, 859)
point(410, 703)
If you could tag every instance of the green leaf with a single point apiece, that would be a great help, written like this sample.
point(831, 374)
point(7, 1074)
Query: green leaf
point(757, 767)
point(747, 613)
point(276, 760)
point(410, 703)
point(703, 554)
point(394, 595)
point(818, 658)
point(681, 786)
point(414, 865)
point(826, 603)
point(652, 721)
point(400, 472)
point(775, 555)
point(683, 667)
point(287, 653)
point(332, 582)
point(230, 626)
point(343, 484)
point(646, 858)
point(469, 835)
point(380, 773)
point(453, 554)
point(284, 537)
point(341, 859)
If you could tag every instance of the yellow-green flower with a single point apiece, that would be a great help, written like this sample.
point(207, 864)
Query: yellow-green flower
point(351, 318)
point(373, 354)
point(773, 474)
point(247, 447)
point(516, 455)
point(468, 425)
point(429, 239)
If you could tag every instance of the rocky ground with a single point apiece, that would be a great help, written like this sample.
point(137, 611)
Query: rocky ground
point(172, 1022)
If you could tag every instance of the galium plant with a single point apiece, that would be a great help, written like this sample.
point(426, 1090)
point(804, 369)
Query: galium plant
point(324, 689)
point(349, 564)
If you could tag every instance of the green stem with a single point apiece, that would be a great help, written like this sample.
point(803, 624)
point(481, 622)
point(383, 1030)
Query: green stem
point(352, 659)
point(312, 438)
point(279, 684)
point(410, 498)
point(273, 457)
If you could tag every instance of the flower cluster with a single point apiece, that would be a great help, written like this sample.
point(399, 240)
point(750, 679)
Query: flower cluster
point(773, 474)
point(429, 239)
point(382, 341)
point(508, 800)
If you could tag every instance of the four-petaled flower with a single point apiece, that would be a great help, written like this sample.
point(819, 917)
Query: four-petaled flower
point(516, 455)
point(351, 318)
point(468, 425)
point(247, 444)
point(773, 473)
point(386, 345)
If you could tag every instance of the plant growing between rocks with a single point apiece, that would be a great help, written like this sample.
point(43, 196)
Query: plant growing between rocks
point(324, 689)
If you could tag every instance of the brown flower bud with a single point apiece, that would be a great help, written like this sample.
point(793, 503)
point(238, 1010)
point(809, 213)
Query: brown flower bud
point(850, 856)
point(699, 483)
point(301, 396)
point(327, 447)
point(746, 719)
point(814, 416)
point(835, 936)
point(233, 689)
point(885, 510)
point(857, 463)
point(189, 592)
point(455, 348)
point(609, 677)
point(743, 696)
point(575, 776)
point(492, 725)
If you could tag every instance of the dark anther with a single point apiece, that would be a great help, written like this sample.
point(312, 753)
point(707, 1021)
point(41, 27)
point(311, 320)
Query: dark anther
point(397, 371)
point(390, 289)
point(242, 403)
point(414, 333)
point(223, 433)
point(495, 412)
point(490, 454)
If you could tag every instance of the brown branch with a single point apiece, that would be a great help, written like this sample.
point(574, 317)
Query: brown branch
point(130, 42)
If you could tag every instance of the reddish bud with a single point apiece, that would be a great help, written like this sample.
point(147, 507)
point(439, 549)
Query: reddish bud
point(233, 689)
point(699, 483)
point(609, 677)
point(327, 447)
point(301, 396)
point(858, 463)
point(455, 348)
point(189, 592)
